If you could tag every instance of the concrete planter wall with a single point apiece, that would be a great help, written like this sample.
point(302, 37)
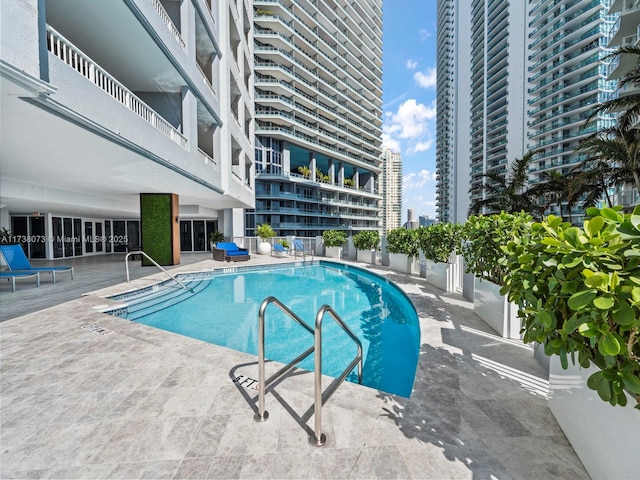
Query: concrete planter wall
point(439, 275)
point(605, 438)
point(333, 252)
point(400, 262)
point(495, 309)
point(367, 256)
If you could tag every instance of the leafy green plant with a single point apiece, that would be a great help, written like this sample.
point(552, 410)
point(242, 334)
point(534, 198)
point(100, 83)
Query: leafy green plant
point(579, 292)
point(304, 171)
point(366, 240)
point(216, 237)
point(439, 241)
point(482, 239)
point(402, 240)
point(333, 238)
point(265, 231)
point(284, 243)
point(349, 183)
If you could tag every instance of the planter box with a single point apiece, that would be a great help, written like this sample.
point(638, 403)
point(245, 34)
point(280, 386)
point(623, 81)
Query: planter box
point(495, 309)
point(333, 252)
point(367, 256)
point(605, 438)
point(400, 262)
point(439, 275)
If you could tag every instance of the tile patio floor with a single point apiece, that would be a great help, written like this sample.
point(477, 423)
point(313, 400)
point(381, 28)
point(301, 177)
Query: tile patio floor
point(145, 403)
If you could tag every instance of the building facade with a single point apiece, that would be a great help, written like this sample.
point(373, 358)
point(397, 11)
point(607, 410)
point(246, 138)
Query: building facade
point(391, 190)
point(523, 92)
point(566, 79)
point(105, 101)
point(318, 97)
point(624, 33)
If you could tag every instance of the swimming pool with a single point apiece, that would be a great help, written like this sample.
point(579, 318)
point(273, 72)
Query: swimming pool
point(223, 310)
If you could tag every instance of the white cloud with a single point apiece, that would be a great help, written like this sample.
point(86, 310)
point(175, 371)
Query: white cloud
point(412, 64)
point(420, 147)
point(409, 128)
point(417, 180)
point(424, 34)
point(426, 79)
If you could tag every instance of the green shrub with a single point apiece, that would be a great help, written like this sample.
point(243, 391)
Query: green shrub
point(483, 238)
point(401, 240)
point(579, 292)
point(367, 240)
point(438, 242)
point(333, 238)
point(216, 237)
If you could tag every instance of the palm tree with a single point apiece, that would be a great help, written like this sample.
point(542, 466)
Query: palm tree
point(509, 192)
point(629, 105)
point(555, 189)
point(614, 161)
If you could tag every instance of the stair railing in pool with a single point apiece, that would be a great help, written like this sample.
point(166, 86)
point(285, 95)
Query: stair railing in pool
point(140, 252)
point(318, 439)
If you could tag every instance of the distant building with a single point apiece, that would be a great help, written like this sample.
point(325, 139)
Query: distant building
point(391, 190)
point(411, 222)
point(515, 77)
point(318, 107)
point(624, 33)
point(425, 220)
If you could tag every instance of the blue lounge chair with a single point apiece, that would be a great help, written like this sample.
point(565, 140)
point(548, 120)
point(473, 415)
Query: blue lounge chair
point(230, 252)
point(13, 275)
point(299, 248)
point(279, 250)
point(18, 262)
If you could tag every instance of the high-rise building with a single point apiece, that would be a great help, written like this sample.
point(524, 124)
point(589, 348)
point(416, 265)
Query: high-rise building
point(535, 75)
point(105, 101)
point(426, 220)
point(453, 129)
point(391, 190)
point(566, 79)
point(318, 96)
point(625, 32)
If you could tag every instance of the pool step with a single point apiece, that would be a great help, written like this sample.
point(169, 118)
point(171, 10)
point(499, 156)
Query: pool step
point(162, 298)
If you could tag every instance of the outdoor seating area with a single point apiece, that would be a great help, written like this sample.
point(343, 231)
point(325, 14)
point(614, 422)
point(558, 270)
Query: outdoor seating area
point(229, 252)
point(279, 250)
point(19, 265)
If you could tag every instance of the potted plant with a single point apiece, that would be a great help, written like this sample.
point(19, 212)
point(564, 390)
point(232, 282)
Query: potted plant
point(215, 237)
point(482, 239)
point(402, 245)
point(438, 243)
point(366, 242)
point(333, 241)
point(265, 232)
point(578, 289)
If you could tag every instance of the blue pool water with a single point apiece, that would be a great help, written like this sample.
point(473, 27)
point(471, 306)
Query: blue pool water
point(224, 310)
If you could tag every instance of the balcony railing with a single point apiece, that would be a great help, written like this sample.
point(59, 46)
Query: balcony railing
point(167, 21)
point(72, 56)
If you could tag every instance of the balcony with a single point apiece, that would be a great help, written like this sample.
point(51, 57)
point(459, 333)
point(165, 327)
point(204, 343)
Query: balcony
point(61, 48)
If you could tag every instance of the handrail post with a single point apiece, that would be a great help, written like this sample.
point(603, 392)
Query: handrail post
point(318, 438)
point(262, 414)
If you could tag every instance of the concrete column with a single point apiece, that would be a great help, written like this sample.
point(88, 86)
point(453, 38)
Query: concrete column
point(190, 118)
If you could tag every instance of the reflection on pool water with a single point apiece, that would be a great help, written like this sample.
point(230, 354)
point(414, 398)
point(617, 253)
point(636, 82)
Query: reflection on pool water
point(224, 310)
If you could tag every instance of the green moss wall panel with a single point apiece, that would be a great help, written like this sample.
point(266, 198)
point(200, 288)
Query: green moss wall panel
point(156, 227)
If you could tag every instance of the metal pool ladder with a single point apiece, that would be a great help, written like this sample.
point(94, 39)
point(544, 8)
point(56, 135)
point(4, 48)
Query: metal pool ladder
point(317, 439)
point(140, 252)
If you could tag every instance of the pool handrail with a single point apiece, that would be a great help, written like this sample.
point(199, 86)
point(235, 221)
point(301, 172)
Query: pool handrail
point(140, 252)
point(317, 439)
point(320, 398)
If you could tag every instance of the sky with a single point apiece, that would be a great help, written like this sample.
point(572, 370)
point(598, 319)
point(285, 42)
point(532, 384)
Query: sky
point(409, 98)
